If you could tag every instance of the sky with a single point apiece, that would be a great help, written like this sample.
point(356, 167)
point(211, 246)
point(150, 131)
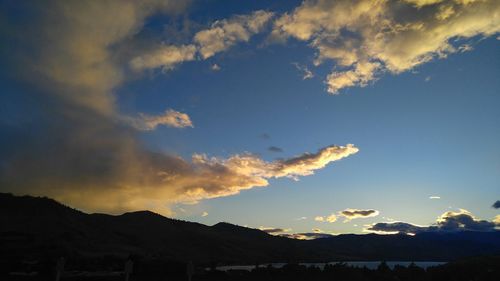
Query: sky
point(301, 118)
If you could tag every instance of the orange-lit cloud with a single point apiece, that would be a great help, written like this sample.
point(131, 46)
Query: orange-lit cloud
point(83, 154)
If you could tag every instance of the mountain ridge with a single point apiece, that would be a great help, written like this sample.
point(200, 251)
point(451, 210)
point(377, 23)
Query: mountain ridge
point(34, 226)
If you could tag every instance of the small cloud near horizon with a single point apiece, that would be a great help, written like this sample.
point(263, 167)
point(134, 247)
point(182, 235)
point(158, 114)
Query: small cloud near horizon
point(350, 214)
point(450, 221)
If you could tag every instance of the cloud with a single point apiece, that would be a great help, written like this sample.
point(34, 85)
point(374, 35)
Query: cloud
point(306, 235)
point(367, 38)
point(274, 149)
point(319, 218)
point(434, 197)
point(496, 205)
point(496, 220)
point(331, 218)
point(140, 179)
point(221, 35)
point(317, 233)
point(306, 73)
point(350, 214)
point(395, 227)
point(204, 214)
point(264, 136)
point(78, 150)
point(166, 57)
point(225, 33)
point(170, 118)
point(274, 231)
point(462, 220)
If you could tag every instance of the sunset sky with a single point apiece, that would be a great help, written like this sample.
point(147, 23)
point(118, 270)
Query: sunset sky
point(297, 116)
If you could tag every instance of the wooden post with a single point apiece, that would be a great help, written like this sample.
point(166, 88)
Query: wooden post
point(60, 267)
point(129, 266)
point(190, 270)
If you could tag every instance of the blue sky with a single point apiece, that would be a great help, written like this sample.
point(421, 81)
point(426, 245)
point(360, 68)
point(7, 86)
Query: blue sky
point(426, 123)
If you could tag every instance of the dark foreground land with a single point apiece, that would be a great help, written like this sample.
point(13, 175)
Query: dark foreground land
point(479, 269)
point(35, 232)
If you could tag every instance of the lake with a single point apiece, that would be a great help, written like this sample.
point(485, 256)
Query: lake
point(367, 264)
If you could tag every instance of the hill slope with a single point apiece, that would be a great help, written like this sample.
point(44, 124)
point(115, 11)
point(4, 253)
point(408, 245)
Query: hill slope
point(33, 226)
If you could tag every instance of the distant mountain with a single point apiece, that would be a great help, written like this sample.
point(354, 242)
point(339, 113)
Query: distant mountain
point(31, 227)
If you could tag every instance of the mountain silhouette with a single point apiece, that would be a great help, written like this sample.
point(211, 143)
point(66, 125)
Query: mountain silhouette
point(36, 226)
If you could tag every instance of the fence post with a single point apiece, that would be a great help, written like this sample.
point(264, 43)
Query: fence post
point(60, 267)
point(129, 266)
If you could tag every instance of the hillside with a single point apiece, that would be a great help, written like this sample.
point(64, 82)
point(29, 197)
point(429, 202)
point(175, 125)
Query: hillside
point(31, 227)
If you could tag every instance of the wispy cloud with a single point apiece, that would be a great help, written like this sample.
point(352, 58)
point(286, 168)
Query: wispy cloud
point(225, 33)
point(222, 35)
point(307, 235)
point(166, 57)
point(274, 230)
point(306, 73)
point(171, 118)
